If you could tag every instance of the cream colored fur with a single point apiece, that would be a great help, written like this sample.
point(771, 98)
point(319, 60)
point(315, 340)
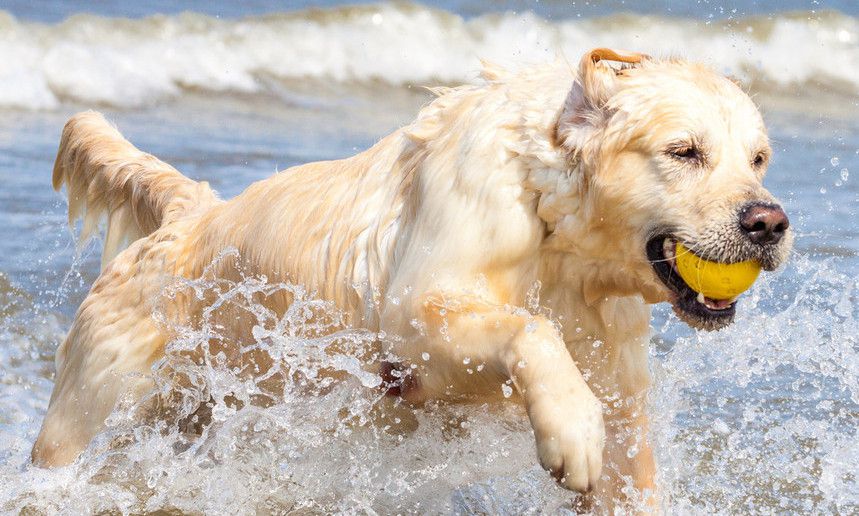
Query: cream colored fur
point(434, 234)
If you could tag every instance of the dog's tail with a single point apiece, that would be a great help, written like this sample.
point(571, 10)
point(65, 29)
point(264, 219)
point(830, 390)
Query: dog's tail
point(105, 175)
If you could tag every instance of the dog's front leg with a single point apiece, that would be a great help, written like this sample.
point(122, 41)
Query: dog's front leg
point(472, 346)
point(566, 416)
point(620, 375)
point(629, 461)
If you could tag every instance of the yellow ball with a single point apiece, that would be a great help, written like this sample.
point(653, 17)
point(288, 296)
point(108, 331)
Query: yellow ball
point(715, 280)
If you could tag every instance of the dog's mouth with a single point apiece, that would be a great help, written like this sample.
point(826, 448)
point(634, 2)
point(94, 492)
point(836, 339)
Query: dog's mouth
point(692, 307)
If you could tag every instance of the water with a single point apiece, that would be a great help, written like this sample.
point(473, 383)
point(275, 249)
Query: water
point(759, 418)
point(145, 61)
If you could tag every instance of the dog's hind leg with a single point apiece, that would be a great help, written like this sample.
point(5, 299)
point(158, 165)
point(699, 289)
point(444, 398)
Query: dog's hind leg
point(114, 339)
point(107, 353)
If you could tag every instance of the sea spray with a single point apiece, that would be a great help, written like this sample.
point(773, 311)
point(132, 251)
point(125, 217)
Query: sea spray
point(728, 436)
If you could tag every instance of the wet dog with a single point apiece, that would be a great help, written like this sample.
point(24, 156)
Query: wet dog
point(579, 181)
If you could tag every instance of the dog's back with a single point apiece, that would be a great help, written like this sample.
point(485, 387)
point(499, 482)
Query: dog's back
point(330, 226)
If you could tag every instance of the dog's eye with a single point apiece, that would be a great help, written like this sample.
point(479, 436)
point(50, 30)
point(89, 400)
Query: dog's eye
point(686, 153)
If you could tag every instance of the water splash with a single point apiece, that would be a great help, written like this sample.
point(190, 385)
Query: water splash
point(759, 418)
point(754, 418)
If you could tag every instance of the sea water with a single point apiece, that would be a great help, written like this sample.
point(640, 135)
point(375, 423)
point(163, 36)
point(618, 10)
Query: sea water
point(761, 417)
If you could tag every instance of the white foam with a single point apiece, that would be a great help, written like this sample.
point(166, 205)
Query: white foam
point(123, 62)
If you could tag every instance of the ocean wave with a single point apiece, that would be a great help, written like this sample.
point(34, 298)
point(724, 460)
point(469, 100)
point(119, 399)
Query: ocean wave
point(126, 63)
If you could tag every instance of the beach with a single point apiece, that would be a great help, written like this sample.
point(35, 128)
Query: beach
point(758, 418)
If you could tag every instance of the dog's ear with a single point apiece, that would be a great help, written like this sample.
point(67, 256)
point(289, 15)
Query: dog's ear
point(595, 84)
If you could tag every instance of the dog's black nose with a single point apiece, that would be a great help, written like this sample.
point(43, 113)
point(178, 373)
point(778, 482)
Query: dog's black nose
point(764, 223)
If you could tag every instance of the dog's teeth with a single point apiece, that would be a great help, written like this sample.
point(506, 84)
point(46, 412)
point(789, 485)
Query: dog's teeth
point(702, 299)
point(668, 251)
point(668, 248)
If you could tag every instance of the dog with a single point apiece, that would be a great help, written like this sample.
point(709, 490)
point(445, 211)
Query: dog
point(577, 181)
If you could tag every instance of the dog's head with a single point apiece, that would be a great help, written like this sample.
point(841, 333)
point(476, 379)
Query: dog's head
point(661, 152)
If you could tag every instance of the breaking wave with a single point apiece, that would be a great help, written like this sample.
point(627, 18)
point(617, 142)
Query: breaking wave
point(126, 63)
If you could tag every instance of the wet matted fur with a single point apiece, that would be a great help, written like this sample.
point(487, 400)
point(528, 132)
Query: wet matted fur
point(575, 179)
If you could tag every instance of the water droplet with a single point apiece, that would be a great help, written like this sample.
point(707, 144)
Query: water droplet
point(466, 360)
point(506, 390)
point(834, 161)
point(844, 174)
point(425, 356)
point(720, 427)
point(632, 451)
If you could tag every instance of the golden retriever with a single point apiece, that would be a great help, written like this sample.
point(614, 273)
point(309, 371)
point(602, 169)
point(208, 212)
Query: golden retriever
point(576, 181)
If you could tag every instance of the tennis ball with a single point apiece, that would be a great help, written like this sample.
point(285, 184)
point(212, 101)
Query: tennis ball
point(715, 280)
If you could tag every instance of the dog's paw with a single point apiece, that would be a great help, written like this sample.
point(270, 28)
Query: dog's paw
point(570, 437)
